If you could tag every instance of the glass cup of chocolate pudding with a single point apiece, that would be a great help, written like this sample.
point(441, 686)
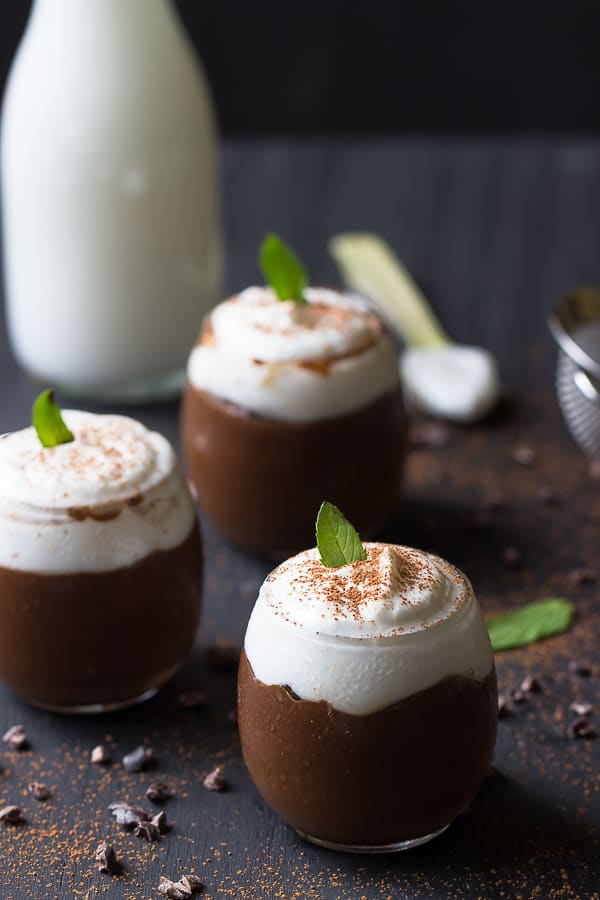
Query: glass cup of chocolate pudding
point(100, 565)
point(367, 697)
point(286, 403)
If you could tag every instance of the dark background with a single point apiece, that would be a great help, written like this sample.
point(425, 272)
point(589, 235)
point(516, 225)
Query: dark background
point(388, 66)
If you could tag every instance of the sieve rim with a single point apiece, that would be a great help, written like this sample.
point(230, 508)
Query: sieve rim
point(578, 307)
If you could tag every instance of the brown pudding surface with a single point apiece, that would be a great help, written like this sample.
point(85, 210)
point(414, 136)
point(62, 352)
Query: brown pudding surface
point(81, 639)
point(262, 481)
point(396, 774)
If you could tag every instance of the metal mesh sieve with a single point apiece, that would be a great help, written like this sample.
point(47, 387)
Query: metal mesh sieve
point(575, 324)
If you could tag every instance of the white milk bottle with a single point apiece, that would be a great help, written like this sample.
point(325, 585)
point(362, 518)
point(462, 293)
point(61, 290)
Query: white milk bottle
point(109, 198)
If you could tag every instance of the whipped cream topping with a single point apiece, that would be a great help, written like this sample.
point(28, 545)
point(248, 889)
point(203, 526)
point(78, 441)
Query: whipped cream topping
point(105, 500)
point(294, 362)
point(368, 634)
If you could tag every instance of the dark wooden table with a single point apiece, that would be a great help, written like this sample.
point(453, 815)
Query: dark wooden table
point(494, 232)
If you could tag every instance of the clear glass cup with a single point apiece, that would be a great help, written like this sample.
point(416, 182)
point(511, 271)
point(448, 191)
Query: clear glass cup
point(100, 565)
point(388, 779)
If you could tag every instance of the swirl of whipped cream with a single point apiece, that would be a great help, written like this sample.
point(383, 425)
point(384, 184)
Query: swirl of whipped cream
point(294, 362)
point(368, 634)
point(107, 499)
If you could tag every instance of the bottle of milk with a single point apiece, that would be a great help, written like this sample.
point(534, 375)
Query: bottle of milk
point(110, 198)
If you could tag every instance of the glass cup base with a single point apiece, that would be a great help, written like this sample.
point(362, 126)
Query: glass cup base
point(373, 848)
point(91, 709)
point(130, 391)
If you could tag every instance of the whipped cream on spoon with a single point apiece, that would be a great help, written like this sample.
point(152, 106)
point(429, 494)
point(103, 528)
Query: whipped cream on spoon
point(448, 380)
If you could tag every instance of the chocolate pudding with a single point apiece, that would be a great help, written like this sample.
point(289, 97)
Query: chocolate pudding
point(394, 775)
point(367, 698)
point(286, 404)
point(100, 565)
point(99, 638)
point(260, 480)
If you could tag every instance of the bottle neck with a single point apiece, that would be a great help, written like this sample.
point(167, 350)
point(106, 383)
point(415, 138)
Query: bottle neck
point(78, 15)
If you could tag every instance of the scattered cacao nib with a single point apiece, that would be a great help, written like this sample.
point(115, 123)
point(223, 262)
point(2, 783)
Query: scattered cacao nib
point(183, 889)
point(578, 667)
point(39, 790)
point(158, 792)
point(581, 728)
point(581, 708)
point(595, 469)
point(504, 707)
point(147, 831)
point(159, 820)
point(214, 781)
point(585, 575)
point(11, 815)
point(223, 656)
point(232, 716)
point(517, 696)
point(99, 756)
point(531, 685)
point(192, 699)
point(16, 738)
point(140, 758)
point(147, 827)
point(128, 816)
point(524, 455)
point(547, 495)
point(106, 859)
point(429, 436)
point(511, 557)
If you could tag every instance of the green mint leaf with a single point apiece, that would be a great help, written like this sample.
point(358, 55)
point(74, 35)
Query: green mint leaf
point(530, 623)
point(48, 422)
point(282, 269)
point(337, 540)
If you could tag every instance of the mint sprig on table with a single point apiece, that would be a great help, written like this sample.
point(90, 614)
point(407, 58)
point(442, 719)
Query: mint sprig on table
point(530, 623)
point(48, 422)
point(282, 269)
point(337, 540)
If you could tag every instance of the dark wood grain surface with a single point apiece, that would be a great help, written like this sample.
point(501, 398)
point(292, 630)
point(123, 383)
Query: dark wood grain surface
point(494, 232)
